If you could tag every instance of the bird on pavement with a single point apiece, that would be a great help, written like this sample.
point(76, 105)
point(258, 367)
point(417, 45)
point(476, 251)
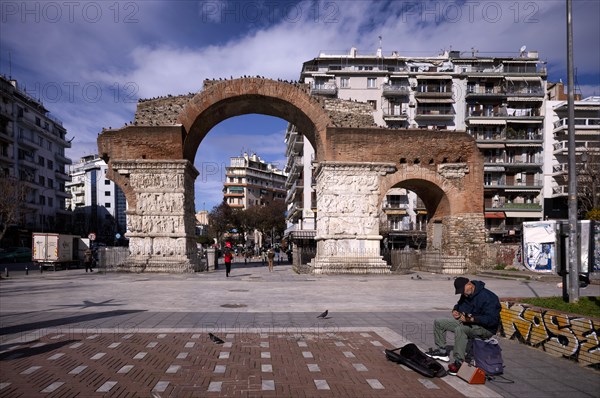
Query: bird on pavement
point(324, 314)
point(215, 339)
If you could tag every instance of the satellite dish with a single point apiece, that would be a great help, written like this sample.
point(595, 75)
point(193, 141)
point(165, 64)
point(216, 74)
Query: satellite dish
point(522, 50)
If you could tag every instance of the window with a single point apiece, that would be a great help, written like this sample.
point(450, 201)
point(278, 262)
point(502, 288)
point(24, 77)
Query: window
point(50, 183)
point(373, 103)
point(42, 180)
point(106, 193)
point(42, 200)
point(106, 182)
point(38, 122)
point(371, 82)
point(51, 202)
point(107, 205)
point(345, 82)
point(41, 160)
point(50, 164)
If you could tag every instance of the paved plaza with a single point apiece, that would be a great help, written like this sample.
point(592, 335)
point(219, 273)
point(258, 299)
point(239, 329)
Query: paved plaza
point(68, 333)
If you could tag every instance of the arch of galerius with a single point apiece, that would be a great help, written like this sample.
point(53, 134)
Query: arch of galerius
point(356, 163)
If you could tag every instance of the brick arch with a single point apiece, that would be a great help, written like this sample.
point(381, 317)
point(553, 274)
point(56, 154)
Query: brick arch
point(441, 196)
point(221, 100)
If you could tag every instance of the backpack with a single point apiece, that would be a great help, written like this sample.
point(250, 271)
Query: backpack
point(487, 355)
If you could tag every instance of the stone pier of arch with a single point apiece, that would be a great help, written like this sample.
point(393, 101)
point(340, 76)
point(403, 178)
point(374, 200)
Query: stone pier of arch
point(152, 162)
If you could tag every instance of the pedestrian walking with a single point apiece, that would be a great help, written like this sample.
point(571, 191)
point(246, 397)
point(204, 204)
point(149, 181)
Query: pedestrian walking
point(227, 256)
point(88, 259)
point(270, 257)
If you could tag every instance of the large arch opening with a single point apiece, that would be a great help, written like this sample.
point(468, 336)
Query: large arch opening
point(221, 100)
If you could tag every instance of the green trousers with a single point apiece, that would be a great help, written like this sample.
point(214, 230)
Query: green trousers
point(462, 333)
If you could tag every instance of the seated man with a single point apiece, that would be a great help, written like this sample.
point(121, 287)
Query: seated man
point(476, 315)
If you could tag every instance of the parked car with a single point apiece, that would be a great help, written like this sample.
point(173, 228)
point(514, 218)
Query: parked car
point(15, 255)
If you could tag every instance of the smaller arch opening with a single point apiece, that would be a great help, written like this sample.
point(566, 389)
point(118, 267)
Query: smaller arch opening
point(402, 160)
point(417, 161)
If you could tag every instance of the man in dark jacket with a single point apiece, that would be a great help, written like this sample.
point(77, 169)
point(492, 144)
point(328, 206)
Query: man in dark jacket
point(476, 315)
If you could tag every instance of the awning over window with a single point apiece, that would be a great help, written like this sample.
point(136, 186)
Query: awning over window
point(526, 99)
point(487, 122)
point(525, 120)
point(395, 212)
point(524, 79)
point(436, 77)
point(303, 234)
point(530, 144)
point(491, 146)
point(494, 214)
point(435, 100)
point(524, 214)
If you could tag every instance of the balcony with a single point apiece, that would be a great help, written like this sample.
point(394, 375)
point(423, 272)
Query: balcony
point(430, 113)
point(62, 158)
point(525, 91)
point(582, 124)
point(60, 175)
point(395, 90)
point(434, 92)
point(323, 89)
point(395, 114)
point(514, 184)
point(581, 147)
point(486, 92)
point(560, 169)
point(28, 142)
point(561, 190)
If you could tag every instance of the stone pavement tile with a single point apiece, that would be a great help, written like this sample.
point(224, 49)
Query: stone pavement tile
point(205, 372)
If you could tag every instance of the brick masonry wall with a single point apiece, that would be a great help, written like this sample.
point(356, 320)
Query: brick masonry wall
point(559, 334)
point(164, 111)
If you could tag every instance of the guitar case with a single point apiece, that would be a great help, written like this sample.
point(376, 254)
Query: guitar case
point(411, 356)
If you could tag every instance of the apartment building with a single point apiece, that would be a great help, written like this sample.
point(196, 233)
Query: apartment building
point(587, 155)
point(32, 150)
point(98, 204)
point(250, 181)
point(498, 99)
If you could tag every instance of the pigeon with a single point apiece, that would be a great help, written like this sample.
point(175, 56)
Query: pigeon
point(324, 314)
point(215, 339)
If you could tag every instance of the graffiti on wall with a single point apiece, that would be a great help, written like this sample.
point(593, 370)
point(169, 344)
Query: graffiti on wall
point(559, 334)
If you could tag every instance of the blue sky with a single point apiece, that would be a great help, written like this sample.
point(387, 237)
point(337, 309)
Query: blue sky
point(89, 61)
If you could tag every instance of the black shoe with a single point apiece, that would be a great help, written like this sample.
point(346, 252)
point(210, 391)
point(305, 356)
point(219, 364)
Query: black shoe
point(438, 353)
point(453, 368)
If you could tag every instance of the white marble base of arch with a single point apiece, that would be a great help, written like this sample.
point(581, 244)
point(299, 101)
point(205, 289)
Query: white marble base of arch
point(348, 240)
point(161, 225)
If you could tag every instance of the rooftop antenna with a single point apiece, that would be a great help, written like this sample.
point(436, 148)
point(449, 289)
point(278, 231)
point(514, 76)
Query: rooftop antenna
point(9, 66)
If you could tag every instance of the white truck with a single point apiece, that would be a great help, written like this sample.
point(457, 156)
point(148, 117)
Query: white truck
point(57, 250)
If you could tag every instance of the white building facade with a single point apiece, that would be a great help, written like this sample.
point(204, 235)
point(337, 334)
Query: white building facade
point(499, 100)
point(98, 204)
point(32, 151)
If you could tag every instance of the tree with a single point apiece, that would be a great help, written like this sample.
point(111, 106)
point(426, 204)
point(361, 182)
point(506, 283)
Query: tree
point(220, 220)
point(12, 198)
point(588, 182)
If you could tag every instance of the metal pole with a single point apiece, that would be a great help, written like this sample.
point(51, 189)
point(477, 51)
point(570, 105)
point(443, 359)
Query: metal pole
point(572, 202)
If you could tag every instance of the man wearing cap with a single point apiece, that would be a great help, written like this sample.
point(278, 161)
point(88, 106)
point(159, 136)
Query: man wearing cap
point(476, 315)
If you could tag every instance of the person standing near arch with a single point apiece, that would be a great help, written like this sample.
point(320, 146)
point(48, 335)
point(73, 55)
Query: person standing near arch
point(227, 256)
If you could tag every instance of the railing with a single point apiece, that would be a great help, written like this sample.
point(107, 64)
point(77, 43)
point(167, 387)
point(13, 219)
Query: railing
point(109, 258)
point(430, 112)
point(580, 122)
point(525, 91)
point(324, 88)
point(502, 181)
point(399, 89)
point(496, 90)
